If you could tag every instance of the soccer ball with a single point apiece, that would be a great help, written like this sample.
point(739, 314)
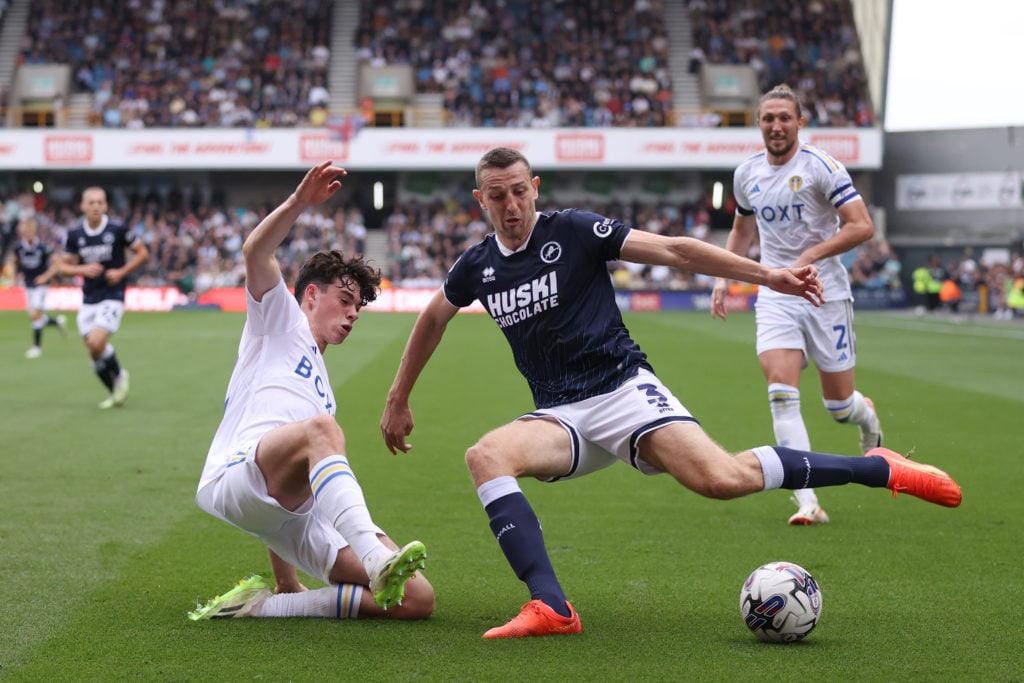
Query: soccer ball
point(780, 602)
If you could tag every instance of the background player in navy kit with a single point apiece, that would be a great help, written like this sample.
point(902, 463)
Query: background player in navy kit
point(34, 261)
point(804, 208)
point(98, 250)
point(543, 277)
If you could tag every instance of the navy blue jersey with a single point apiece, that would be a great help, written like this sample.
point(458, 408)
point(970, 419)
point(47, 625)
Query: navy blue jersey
point(555, 303)
point(33, 259)
point(107, 245)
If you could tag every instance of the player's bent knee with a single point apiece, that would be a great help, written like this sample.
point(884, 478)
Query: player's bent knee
point(480, 458)
point(324, 429)
point(418, 602)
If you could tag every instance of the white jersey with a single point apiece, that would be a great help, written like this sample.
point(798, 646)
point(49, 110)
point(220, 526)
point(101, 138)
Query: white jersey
point(279, 378)
point(796, 206)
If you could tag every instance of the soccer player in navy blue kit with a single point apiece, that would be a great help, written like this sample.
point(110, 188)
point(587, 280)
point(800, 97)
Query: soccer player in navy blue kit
point(98, 249)
point(543, 278)
point(36, 265)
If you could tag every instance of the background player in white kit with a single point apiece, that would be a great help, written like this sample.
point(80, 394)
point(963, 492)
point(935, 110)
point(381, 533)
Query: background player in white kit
point(277, 467)
point(803, 206)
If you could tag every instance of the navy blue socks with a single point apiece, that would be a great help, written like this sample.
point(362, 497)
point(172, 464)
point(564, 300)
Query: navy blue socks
point(518, 532)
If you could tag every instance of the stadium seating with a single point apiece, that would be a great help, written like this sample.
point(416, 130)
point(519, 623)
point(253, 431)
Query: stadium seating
point(811, 46)
point(523, 63)
point(188, 64)
point(529, 62)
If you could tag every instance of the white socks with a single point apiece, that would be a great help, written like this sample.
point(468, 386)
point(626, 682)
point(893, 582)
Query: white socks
point(338, 494)
point(771, 467)
point(854, 409)
point(332, 602)
point(790, 430)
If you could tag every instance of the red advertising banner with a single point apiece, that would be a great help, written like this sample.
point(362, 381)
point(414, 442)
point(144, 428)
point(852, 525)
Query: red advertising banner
point(70, 299)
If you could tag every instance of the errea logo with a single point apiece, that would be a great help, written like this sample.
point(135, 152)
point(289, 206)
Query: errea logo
point(488, 274)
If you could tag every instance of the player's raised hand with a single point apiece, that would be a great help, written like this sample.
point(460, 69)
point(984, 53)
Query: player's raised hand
point(320, 183)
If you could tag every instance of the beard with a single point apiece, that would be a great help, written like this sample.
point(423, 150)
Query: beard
point(774, 150)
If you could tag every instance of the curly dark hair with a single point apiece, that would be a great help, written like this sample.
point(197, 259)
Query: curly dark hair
point(327, 267)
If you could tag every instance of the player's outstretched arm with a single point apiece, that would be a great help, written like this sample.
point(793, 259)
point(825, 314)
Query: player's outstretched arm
point(262, 272)
point(697, 256)
point(397, 422)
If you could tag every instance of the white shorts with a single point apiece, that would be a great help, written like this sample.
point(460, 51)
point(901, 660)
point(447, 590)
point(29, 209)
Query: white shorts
point(105, 315)
point(303, 538)
point(825, 334)
point(36, 297)
point(607, 428)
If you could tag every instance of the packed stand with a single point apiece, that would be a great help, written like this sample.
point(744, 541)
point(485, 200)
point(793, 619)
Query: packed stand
point(811, 46)
point(185, 63)
point(3, 86)
point(528, 63)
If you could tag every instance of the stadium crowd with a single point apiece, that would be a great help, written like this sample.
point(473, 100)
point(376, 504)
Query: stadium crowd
point(494, 63)
point(521, 63)
point(189, 63)
point(529, 63)
point(812, 46)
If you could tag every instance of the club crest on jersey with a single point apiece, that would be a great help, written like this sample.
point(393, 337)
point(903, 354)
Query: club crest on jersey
point(795, 183)
point(603, 229)
point(488, 274)
point(550, 252)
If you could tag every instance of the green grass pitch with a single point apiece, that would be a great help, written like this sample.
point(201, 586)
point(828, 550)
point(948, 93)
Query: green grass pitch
point(102, 550)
